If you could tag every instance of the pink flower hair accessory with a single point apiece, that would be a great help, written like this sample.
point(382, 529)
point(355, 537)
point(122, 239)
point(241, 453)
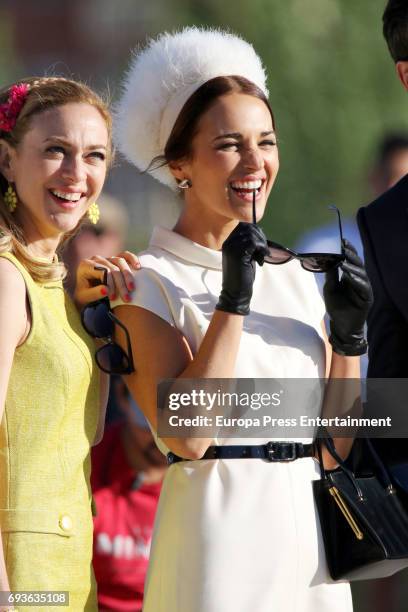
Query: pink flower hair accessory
point(10, 110)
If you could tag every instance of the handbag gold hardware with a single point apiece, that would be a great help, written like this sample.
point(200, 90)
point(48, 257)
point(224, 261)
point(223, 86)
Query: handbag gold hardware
point(334, 492)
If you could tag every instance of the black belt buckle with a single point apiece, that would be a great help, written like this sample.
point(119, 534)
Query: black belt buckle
point(281, 451)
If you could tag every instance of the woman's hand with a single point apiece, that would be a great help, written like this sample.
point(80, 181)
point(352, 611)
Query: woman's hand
point(99, 277)
point(348, 302)
point(244, 246)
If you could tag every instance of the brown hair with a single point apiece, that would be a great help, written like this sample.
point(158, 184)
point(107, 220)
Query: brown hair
point(179, 144)
point(44, 94)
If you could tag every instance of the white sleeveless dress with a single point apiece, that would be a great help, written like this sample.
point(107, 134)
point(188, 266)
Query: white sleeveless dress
point(238, 535)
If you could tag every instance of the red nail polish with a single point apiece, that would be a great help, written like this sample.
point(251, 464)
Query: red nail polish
point(128, 298)
point(104, 291)
point(113, 296)
point(132, 286)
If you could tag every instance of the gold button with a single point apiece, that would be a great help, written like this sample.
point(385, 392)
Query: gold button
point(65, 522)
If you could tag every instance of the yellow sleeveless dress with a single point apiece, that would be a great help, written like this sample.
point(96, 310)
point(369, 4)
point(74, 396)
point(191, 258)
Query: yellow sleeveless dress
point(49, 424)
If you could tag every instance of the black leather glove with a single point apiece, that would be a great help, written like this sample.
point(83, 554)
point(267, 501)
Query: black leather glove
point(245, 245)
point(348, 301)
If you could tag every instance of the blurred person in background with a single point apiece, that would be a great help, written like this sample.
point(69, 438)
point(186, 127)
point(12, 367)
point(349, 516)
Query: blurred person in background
point(390, 165)
point(55, 149)
point(127, 470)
point(104, 238)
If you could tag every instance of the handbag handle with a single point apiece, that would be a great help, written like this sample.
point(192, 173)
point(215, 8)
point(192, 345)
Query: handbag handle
point(382, 470)
point(328, 441)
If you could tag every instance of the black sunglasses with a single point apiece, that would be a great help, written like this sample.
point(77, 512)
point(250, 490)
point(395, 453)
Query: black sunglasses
point(99, 321)
point(312, 262)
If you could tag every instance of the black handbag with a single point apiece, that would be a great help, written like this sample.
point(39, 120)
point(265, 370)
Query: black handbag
point(363, 521)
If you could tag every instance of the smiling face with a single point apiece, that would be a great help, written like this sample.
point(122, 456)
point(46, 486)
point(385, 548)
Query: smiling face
point(58, 169)
point(233, 153)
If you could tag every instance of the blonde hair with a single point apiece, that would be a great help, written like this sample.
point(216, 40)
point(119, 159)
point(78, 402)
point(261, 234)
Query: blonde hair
point(43, 94)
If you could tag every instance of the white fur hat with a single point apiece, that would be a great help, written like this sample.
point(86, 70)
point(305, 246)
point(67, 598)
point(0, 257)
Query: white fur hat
point(163, 76)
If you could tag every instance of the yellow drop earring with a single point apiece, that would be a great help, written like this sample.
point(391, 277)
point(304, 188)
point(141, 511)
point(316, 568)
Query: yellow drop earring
point(10, 199)
point(94, 213)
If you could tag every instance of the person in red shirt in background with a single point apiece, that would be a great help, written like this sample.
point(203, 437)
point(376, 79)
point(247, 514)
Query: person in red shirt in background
point(127, 470)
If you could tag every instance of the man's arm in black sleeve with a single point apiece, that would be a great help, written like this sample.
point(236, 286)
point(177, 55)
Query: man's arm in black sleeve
point(387, 328)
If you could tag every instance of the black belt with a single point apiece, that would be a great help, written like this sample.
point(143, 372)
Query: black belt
point(272, 451)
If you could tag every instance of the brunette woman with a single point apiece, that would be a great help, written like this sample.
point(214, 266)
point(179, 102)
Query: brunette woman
point(236, 528)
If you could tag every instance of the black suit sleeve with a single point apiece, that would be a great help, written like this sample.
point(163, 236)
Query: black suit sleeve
point(387, 328)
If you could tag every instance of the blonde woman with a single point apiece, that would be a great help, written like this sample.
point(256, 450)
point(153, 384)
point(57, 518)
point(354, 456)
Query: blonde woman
point(55, 149)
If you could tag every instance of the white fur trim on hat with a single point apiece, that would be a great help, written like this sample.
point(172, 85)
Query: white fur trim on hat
point(163, 76)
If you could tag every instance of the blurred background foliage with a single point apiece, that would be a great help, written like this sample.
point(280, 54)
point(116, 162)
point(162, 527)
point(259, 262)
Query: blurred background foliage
point(332, 86)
